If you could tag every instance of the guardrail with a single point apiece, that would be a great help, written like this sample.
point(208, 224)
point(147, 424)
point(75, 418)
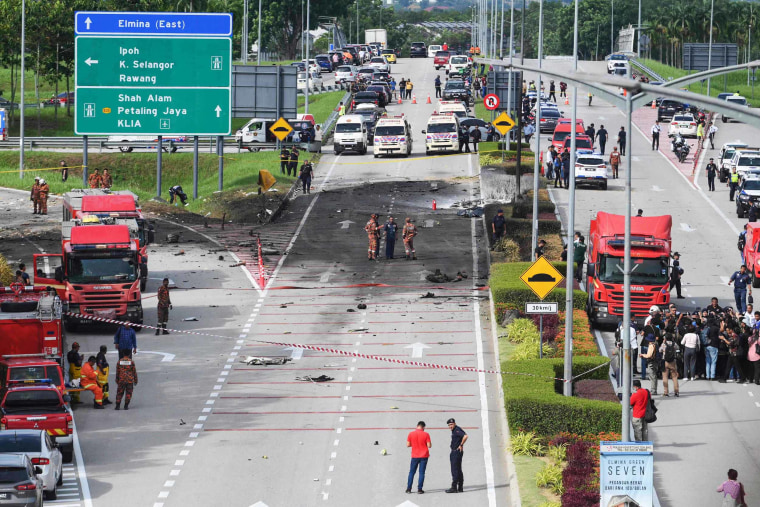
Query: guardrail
point(102, 143)
point(328, 125)
point(646, 69)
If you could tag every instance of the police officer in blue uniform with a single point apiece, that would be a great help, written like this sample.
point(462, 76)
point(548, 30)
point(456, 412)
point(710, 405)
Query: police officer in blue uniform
point(458, 438)
point(740, 280)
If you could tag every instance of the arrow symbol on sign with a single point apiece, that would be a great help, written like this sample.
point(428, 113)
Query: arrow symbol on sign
point(296, 353)
point(345, 224)
point(218, 110)
point(88, 22)
point(417, 348)
point(90, 61)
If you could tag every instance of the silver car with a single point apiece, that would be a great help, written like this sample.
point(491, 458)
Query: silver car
point(20, 484)
point(42, 452)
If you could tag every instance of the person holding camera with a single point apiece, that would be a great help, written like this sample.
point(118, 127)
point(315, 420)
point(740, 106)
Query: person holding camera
point(675, 274)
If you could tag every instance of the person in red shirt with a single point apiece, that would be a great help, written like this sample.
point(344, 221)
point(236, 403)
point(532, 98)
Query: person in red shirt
point(639, 400)
point(419, 441)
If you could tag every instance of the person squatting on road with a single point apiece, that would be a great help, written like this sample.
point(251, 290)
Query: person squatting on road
point(90, 381)
point(733, 491)
point(639, 400)
point(74, 358)
point(408, 233)
point(125, 340)
point(102, 373)
point(419, 441)
point(164, 305)
point(390, 228)
point(373, 237)
point(458, 439)
point(126, 380)
point(307, 173)
point(34, 196)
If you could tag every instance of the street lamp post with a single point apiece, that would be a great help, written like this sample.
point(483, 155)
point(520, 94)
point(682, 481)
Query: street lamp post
point(709, 47)
point(258, 42)
point(308, 70)
point(612, 26)
point(536, 163)
point(21, 111)
point(244, 35)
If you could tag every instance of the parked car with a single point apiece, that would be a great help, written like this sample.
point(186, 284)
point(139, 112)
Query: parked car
point(380, 63)
point(748, 193)
point(41, 450)
point(441, 59)
point(390, 55)
point(369, 97)
point(384, 96)
point(417, 50)
point(582, 142)
point(385, 86)
point(346, 74)
point(736, 100)
point(683, 124)
point(456, 89)
point(315, 80)
point(365, 74)
point(433, 49)
point(19, 481)
point(324, 62)
point(371, 114)
point(668, 108)
point(549, 119)
point(457, 63)
point(381, 76)
point(590, 169)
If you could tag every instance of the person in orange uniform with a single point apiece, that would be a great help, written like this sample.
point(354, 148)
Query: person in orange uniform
point(373, 235)
point(90, 381)
point(408, 233)
point(106, 181)
point(95, 179)
point(35, 195)
point(42, 197)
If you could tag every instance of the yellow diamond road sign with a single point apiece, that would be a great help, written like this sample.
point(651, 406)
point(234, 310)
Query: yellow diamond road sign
point(542, 277)
point(503, 123)
point(281, 129)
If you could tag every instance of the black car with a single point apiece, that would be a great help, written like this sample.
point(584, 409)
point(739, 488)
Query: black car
point(370, 117)
point(456, 89)
point(549, 119)
point(381, 93)
point(366, 98)
point(470, 123)
point(668, 108)
point(381, 75)
point(418, 49)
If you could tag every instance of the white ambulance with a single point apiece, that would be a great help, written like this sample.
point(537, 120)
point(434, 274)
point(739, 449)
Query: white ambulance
point(392, 136)
point(453, 106)
point(442, 133)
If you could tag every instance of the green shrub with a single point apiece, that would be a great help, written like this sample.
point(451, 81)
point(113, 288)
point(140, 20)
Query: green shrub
point(534, 403)
point(7, 275)
point(510, 248)
point(557, 453)
point(524, 227)
point(526, 444)
point(551, 504)
point(524, 208)
point(508, 290)
point(522, 331)
point(525, 351)
point(550, 477)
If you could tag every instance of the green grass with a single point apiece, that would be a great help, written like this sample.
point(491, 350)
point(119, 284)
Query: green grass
point(735, 81)
point(137, 172)
point(321, 105)
point(47, 89)
point(527, 467)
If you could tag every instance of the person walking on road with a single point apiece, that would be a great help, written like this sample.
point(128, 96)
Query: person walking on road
point(407, 234)
point(74, 358)
point(528, 131)
point(562, 89)
point(164, 305)
point(733, 184)
point(419, 441)
point(552, 90)
point(44, 192)
point(125, 340)
point(675, 275)
point(639, 400)
point(590, 98)
point(700, 134)
point(712, 171)
point(711, 135)
point(732, 359)
point(566, 167)
point(390, 228)
point(64, 171)
point(437, 83)
point(102, 372)
point(402, 88)
point(656, 135)
point(464, 140)
point(621, 139)
point(601, 136)
point(393, 88)
point(733, 491)
point(90, 381)
point(126, 380)
point(557, 171)
point(458, 439)
point(590, 132)
point(615, 162)
point(409, 88)
point(741, 280)
point(476, 135)
point(498, 226)
point(669, 352)
point(307, 173)
point(372, 236)
point(34, 196)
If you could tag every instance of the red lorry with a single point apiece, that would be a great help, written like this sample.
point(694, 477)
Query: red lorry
point(118, 205)
point(650, 262)
point(30, 322)
point(97, 273)
point(36, 404)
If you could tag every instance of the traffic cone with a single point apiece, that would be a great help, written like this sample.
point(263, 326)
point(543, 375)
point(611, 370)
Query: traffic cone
point(428, 100)
point(399, 99)
point(435, 204)
point(654, 106)
point(567, 100)
point(414, 99)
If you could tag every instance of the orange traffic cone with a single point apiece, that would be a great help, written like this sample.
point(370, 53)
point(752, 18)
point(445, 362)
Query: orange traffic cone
point(414, 99)
point(567, 100)
point(428, 100)
point(654, 105)
point(399, 99)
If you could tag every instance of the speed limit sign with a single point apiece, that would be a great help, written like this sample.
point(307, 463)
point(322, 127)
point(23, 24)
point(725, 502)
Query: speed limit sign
point(491, 101)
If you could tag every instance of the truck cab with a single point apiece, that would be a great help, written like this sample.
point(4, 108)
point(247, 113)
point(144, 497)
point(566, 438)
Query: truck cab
point(650, 256)
point(442, 133)
point(31, 323)
point(97, 274)
point(30, 367)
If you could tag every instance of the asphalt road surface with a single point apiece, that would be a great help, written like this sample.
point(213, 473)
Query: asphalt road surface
point(203, 425)
point(711, 427)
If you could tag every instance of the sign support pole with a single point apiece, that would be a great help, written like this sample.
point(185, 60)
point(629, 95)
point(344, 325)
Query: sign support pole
point(220, 155)
point(195, 167)
point(541, 336)
point(84, 161)
point(159, 163)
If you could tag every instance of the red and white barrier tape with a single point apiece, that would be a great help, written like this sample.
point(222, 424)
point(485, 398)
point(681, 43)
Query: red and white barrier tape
point(262, 273)
point(434, 366)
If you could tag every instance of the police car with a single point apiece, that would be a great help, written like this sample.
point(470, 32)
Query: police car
point(748, 193)
point(590, 169)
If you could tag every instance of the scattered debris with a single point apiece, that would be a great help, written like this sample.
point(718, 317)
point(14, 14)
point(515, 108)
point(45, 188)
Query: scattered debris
point(351, 310)
point(181, 252)
point(384, 452)
point(438, 277)
point(358, 330)
point(221, 257)
point(309, 378)
point(181, 422)
point(265, 457)
point(377, 443)
point(213, 306)
point(394, 408)
point(428, 295)
point(361, 306)
point(172, 238)
point(241, 263)
point(471, 212)
point(270, 251)
point(190, 319)
point(265, 361)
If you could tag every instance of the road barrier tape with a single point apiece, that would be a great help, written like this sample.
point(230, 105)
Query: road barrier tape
point(315, 348)
point(39, 169)
point(262, 272)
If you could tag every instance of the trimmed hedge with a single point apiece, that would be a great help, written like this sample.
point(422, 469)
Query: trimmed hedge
point(524, 226)
point(508, 290)
point(7, 274)
point(536, 404)
point(524, 208)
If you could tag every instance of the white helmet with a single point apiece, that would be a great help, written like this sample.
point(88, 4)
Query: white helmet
point(654, 309)
point(42, 181)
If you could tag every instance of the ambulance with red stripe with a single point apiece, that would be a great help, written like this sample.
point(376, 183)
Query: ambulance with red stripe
point(392, 136)
point(442, 133)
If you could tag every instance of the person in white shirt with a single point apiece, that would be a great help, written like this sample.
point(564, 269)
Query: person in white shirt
point(656, 135)
point(711, 135)
point(690, 341)
point(749, 317)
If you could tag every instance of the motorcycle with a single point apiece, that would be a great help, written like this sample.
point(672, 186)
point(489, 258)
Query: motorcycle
point(679, 147)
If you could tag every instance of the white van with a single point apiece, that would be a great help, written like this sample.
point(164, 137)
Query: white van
point(256, 131)
point(150, 140)
point(456, 63)
point(432, 50)
point(442, 133)
point(392, 135)
point(350, 134)
point(454, 107)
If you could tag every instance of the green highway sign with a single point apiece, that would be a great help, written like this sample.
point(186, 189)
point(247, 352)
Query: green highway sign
point(153, 61)
point(152, 111)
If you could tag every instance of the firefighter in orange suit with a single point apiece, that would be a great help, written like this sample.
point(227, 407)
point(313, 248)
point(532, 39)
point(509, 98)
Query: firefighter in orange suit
point(35, 195)
point(373, 235)
point(408, 233)
point(90, 380)
point(42, 197)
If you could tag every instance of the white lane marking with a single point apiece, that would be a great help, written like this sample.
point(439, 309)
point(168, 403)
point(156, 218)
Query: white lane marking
point(757, 404)
point(169, 484)
point(333, 455)
point(331, 469)
point(417, 348)
point(657, 189)
point(481, 362)
point(328, 482)
point(80, 469)
point(749, 392)
point(335, 444)
point(163, 494)
point(184, 453)
point(174, 473)
point(179, 463)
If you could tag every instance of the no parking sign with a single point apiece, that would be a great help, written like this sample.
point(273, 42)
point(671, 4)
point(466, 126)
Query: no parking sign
point(491, 101)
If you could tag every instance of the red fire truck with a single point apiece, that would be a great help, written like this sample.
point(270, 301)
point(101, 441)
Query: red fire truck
point(30, 322)
point(114, 204)
point(650, 261)
point(97, 273)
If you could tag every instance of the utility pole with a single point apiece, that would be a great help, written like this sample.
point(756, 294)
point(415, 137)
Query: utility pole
point(21, 111)
point(244, 35)
point(522, 34)
point(536, 163)
point(501, 44)
point(308, 70)
point(612, 26)
point(258, 42)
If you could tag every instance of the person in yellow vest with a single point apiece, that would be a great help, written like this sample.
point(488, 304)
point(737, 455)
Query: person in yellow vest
point(90, 381)
point(35, 195)
point(74, 358)
point(103, 367)
point(733, 184)
point(341, 109)
point(409, 88)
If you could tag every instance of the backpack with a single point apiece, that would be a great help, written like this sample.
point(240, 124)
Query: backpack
point(650, 415)
point(670, 352)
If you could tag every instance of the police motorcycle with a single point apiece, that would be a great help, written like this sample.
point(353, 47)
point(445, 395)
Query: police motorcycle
point(679, 146)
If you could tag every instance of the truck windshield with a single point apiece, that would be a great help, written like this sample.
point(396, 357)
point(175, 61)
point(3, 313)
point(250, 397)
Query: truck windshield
point(105, 267)
point(441, 128)
point(36, 373)
point(645, 271)
point(342, 128)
